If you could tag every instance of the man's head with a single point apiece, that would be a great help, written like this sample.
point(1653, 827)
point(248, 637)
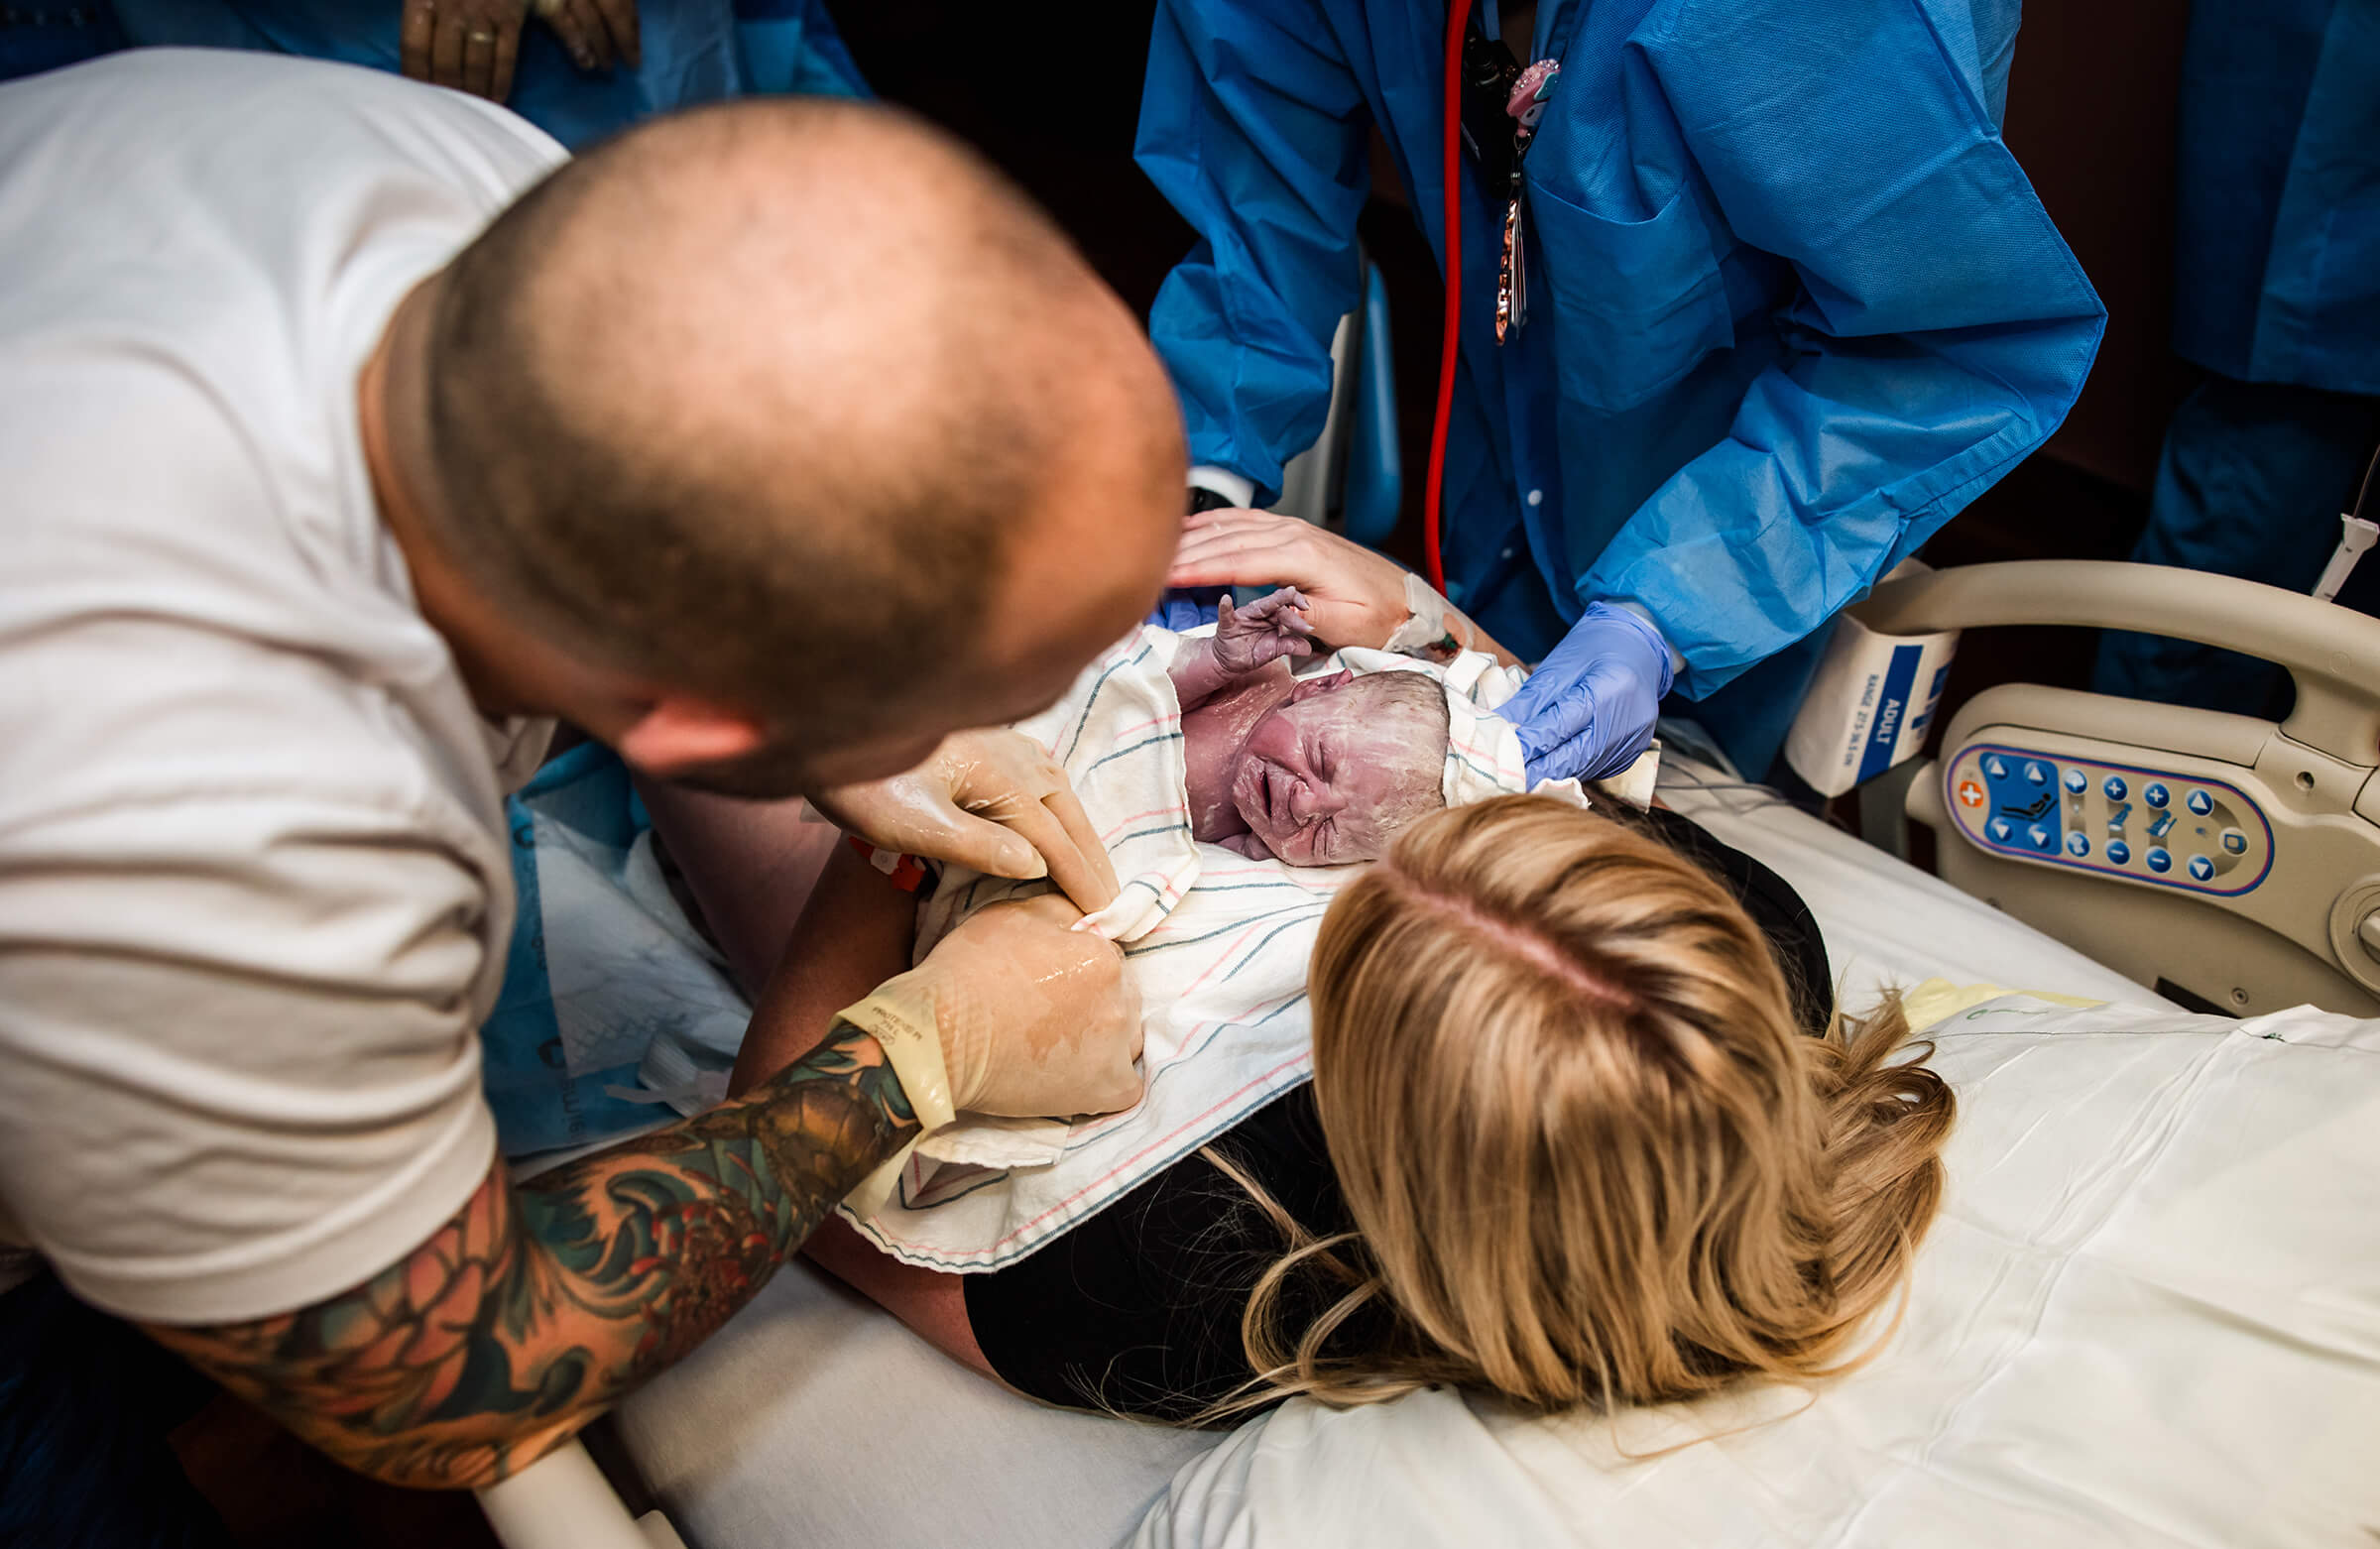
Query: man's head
point(775, 440)
point(1343, 766)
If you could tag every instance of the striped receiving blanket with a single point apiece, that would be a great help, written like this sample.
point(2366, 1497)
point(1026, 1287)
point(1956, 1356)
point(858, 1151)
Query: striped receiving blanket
point(1217, 943)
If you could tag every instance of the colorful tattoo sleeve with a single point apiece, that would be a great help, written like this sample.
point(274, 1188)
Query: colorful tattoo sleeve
point(543, 1302)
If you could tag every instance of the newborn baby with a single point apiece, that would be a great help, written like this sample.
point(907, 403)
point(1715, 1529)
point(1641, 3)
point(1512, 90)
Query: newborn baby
point(1317, 771)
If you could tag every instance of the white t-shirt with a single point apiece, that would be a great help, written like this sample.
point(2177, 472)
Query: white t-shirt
point(254, 880)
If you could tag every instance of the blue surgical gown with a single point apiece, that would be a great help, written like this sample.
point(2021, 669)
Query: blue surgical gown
point(693, 51)
point(2277, 293)
point(1792, 302)
point(2277, 251)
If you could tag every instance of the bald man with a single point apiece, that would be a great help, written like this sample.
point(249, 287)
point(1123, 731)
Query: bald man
point(351, 436)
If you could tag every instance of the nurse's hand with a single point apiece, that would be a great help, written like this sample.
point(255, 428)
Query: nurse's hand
point(1354, 597)
point(992, 800)
point(1035, 1018)
point(469, 45)
point(598, 32)
point(1587, 710)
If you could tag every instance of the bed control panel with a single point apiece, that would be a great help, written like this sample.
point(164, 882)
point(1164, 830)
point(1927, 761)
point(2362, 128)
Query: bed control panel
point(2142, 824)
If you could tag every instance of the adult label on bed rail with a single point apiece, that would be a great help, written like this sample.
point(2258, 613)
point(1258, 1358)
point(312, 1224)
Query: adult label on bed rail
point(2161, 827)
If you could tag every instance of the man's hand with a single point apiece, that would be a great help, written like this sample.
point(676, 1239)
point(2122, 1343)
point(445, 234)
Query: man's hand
point(474, 45)
point(993, 800)
point(1266, 630)
point(1035, 1018)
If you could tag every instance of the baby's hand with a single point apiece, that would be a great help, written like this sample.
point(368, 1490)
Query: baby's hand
point(1266, 630)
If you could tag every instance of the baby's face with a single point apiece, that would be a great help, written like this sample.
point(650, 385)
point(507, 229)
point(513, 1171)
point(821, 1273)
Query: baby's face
point(1332, 773)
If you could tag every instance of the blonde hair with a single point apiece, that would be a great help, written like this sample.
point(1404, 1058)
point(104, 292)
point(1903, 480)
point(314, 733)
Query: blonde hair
point(1590, 1159)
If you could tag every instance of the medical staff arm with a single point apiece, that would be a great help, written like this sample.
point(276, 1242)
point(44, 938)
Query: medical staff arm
point(1941, 332)
point(1253, 127)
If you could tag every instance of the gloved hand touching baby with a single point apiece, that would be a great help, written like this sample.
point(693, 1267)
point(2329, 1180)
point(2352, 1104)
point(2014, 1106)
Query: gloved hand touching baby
point(1033, 1017)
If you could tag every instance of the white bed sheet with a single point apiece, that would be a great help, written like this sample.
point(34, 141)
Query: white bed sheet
point(814, 1419)
point(2147, 1318)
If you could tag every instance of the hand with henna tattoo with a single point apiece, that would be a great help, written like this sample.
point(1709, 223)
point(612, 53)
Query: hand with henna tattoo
point(542, 1303)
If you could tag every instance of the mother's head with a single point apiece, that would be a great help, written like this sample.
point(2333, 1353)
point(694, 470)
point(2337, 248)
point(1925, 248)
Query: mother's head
point(1590, 1157)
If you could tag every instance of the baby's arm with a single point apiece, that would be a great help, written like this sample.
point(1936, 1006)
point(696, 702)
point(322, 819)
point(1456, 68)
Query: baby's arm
point(855, 932)
point(1246, 640)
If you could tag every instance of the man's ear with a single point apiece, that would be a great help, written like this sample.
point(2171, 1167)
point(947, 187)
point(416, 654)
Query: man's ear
point(678, 733)
point(1328, 682)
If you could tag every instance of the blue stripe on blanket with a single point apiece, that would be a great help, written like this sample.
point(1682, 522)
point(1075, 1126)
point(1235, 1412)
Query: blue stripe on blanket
point(1091, 699)
point(1146, 742)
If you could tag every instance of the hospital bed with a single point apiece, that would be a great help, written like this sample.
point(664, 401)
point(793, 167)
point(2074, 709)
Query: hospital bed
point(2150, 1313)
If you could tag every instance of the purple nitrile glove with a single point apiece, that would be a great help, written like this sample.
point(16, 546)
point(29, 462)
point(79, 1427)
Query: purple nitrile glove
point(1587, 710)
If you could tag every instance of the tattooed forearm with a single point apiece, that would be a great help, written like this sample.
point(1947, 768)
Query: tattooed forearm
point(543, 1302)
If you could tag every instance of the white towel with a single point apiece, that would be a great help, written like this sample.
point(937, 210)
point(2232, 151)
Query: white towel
point(1217, 943)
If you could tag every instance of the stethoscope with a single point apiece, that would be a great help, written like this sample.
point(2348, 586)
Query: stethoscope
point(1492, 74)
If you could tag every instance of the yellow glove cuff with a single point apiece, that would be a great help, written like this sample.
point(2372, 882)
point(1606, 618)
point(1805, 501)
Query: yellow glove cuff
point(901, 1017)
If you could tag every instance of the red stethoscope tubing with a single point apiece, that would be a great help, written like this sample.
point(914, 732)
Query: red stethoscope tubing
point(1458, 18)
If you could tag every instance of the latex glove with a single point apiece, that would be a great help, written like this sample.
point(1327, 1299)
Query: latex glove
point(1587, 710)
point(1354, 597)
point(1035, 1018)
point(1266, 630)
point(993, 800)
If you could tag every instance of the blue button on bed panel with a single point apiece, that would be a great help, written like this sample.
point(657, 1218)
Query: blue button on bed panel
point(2077, 782)
point(1995, 769)
point(2154, 794)
point(2078, 846)
point(2116, 788)
point(2000, 830)
point(2037, 775)
point(2199, 802)
point(2119, 852)
point(2201, 869)
point(2160, 861)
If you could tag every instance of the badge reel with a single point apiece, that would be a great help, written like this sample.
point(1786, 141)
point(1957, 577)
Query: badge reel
point(1502, 104)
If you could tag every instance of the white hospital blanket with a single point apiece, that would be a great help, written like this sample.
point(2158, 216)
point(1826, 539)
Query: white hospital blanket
point(1217, 943)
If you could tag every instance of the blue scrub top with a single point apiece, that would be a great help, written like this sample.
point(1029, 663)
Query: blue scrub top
point(2277, 252)
point(1793, 304)
point(694, 50)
